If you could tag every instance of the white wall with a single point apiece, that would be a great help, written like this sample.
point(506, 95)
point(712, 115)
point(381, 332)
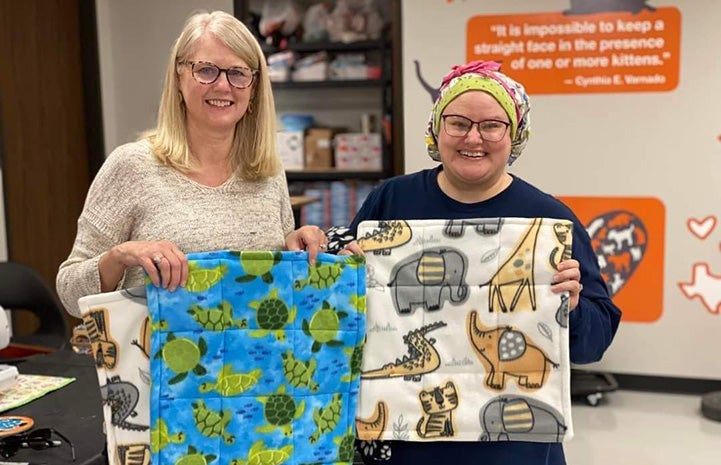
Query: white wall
point(644, 144)
point(134, 41)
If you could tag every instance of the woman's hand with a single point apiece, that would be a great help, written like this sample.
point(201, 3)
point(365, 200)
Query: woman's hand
point(309, 238)
point(568, 279)
point(165, 264)
point(352, 248)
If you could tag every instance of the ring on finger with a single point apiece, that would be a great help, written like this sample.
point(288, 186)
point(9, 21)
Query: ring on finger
point(157, 259)
point(323, 246)
point(580, 287)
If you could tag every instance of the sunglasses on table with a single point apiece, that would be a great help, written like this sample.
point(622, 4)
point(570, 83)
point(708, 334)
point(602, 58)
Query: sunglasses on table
point(39, 439)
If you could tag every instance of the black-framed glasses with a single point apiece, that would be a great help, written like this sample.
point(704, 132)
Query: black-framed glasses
point(491, 130)
point(207, 73)
point(39, 439)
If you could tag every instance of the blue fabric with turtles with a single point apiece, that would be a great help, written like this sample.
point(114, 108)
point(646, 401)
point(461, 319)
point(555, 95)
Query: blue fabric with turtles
point(257, 360)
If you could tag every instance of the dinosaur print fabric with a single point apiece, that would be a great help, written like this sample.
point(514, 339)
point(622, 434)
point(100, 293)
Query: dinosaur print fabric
point(116, 323)
point(465, 340)
point(257, 360)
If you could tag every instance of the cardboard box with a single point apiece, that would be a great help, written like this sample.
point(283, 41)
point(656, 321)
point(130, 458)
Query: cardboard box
point(290, 149)
point(358, 151)
point(319, 147)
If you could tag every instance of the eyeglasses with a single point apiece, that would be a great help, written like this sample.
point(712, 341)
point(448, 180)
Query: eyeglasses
point(207, 73)
point(38, 439)
point(491, 130)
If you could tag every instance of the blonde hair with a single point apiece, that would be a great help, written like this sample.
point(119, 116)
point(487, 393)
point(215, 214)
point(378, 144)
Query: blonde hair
point(253, 154)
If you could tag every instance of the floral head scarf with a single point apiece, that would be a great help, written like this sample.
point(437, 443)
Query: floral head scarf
point(484, 76)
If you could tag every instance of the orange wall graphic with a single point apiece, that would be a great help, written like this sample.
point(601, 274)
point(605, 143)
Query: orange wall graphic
point(627, 235)
point(553, 53)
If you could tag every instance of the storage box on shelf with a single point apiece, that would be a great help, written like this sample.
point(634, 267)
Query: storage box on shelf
point(358, 151)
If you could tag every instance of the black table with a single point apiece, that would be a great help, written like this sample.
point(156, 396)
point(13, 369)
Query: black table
point(75, 410)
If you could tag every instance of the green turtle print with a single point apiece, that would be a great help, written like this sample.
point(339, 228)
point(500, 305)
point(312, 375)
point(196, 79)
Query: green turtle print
point(161, 437)
point(326, 418)
point(217, 318)
point(324, 326)
point(260, 454)
point(272, 314)
point(279, 410)
point(230, 383)
point(262, 373)
point(321, 275)
point(345, 445)
point(202, 279)
point(299, 373)
point(193, 457)
point(258, 264)
point(182, 355)
point(211, 423)
point(356, 360)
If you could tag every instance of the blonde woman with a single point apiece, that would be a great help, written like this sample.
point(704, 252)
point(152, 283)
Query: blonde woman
point(206, 178)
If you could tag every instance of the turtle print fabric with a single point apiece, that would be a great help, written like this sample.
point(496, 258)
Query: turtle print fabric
point(465, 340)
point(257, 360)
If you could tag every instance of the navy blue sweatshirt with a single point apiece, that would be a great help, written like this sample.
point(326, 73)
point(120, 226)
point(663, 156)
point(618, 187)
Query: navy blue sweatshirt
point(592, 324)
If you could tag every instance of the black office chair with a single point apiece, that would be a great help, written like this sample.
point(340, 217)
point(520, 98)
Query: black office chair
point(21, 288)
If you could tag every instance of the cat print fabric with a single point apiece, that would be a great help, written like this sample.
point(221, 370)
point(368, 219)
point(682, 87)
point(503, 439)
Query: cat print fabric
point(465, 340)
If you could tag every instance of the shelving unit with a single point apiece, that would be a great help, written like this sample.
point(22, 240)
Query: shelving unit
point(338, 84)
point(375, 89)
point(332, 174)
point(340, 103)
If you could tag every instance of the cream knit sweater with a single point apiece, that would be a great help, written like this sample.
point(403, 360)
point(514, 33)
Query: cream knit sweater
point(135, 198)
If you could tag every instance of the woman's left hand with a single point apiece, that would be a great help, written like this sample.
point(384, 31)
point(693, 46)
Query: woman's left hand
point(568, 279)
point(309, 238)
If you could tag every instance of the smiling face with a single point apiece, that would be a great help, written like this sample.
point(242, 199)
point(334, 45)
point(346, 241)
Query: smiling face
point(470, 164)
point(215, 107)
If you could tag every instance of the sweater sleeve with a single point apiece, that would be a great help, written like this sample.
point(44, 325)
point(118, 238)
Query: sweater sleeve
point(286, 210)
point(593, 323)
point(106, 220)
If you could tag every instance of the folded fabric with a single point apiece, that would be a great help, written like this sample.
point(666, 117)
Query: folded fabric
point(27, 388)
point(257, 360)
point(117, 325)
point(466, 341)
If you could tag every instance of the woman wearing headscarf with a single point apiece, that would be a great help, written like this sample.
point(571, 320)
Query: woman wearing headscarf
point(479, 124)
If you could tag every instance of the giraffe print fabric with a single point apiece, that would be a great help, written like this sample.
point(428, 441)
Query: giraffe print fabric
point(465, 340)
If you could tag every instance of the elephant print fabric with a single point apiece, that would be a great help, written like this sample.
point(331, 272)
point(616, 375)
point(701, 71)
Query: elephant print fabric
point(465, 340)
point(257, 360)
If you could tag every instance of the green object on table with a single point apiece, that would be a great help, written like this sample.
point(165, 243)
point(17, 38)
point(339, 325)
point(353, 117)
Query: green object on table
point(29, 388)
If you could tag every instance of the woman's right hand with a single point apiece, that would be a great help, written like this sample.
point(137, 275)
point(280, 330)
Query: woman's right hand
point(165, 263)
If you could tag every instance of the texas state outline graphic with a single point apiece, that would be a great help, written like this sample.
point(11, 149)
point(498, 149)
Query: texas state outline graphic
point(704, 285)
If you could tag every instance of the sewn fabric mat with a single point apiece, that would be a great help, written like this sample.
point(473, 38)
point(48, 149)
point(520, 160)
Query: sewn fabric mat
point(466, 342)
point(30, 387)
point(117, 326)
point(257, 359)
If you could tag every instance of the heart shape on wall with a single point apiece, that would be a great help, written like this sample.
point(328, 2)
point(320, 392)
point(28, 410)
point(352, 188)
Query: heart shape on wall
point(619, 239)
point(701, 228)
